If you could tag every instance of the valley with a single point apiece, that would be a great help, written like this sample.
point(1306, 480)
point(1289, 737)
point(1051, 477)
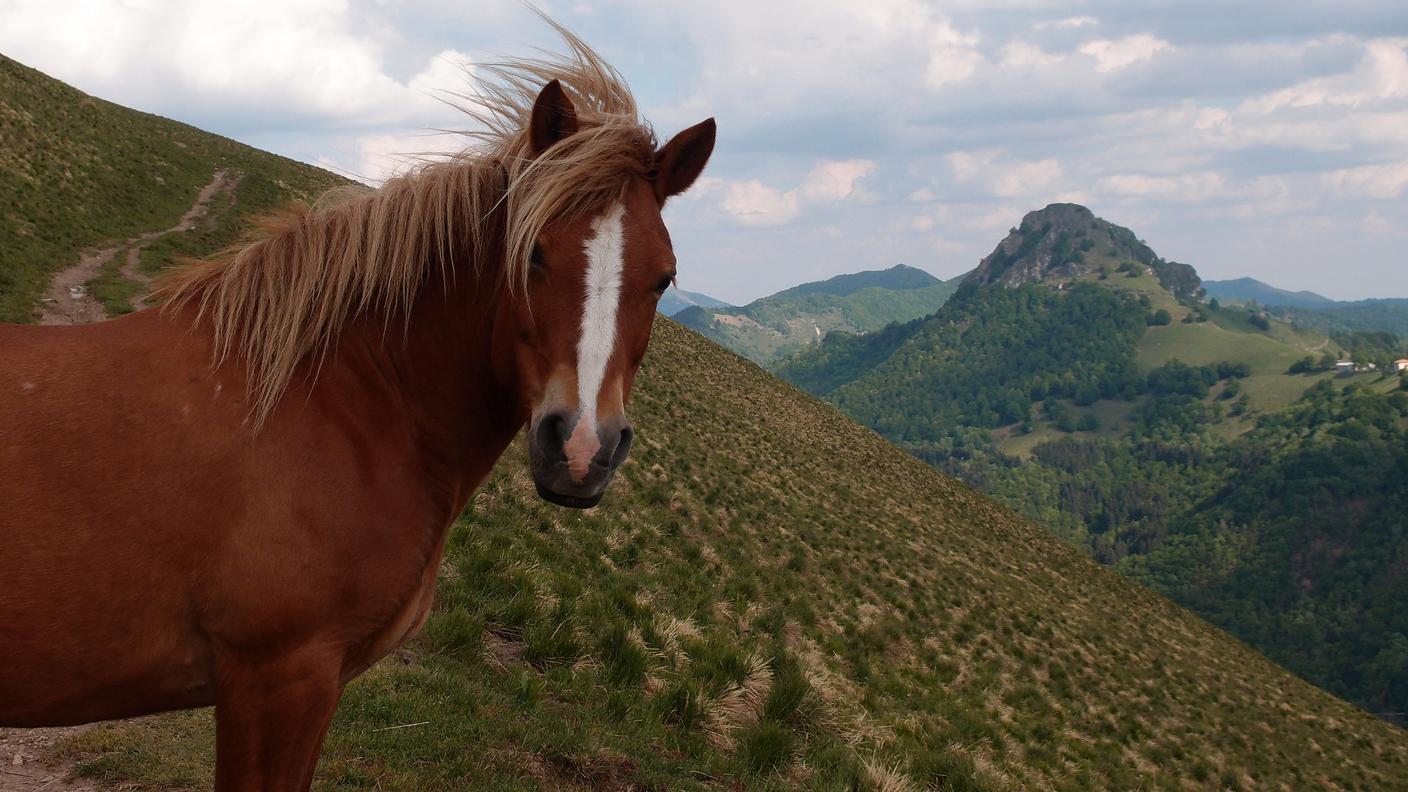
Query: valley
point(1087, 383)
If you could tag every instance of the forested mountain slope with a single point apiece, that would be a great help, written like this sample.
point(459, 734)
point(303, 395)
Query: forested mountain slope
point(769, 329)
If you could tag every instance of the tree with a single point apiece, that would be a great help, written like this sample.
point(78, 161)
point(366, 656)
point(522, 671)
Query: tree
point(1160, 317)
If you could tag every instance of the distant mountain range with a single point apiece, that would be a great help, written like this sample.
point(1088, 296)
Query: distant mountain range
point(677, 299)
point(1241, 290)
point(1310, 310)
point(771, 328)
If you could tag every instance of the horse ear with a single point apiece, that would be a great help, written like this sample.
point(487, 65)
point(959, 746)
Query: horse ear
point(554, 117)
point(680, 161)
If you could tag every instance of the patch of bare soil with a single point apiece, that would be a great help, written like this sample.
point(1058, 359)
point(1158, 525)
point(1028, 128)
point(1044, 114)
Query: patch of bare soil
point(68, 302)
point(23, 767)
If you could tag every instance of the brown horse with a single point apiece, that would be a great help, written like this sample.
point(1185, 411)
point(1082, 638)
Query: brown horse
point(241, 498)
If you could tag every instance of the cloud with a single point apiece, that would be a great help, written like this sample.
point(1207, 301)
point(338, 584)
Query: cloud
point(754, 203)
point(828, 182)
point(1068, 23)
point(834, 181)
point(1112, 55)
point(1370, 181)
point(1381, 74)
point(261, 59)
point(1004, 177)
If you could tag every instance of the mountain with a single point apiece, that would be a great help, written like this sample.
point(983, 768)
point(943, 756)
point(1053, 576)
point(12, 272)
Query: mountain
point(1312, 311)
point(1065, 242)
point(1388, 315)
point(991, 354)
point(677, 299)
point(1083, 387)
point(773, 597)
point(771, 328)
point(1252, 290)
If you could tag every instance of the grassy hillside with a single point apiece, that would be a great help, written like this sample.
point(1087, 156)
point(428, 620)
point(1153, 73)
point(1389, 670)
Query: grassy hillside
point(77, 172)
point(770, 329)
point(772, 597)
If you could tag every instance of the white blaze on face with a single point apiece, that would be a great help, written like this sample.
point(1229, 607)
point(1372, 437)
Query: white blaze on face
point(606, 255)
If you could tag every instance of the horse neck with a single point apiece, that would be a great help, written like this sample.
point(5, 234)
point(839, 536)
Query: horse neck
point(440, 363)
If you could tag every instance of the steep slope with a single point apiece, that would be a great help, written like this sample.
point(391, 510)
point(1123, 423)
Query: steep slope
point(759, 547)
point(77, 172)
point(773, 597)
point(1093, 399)
point(771, 328)
point(677, 299)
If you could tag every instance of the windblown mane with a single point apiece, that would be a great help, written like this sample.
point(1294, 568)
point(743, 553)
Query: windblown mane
point(283, 295)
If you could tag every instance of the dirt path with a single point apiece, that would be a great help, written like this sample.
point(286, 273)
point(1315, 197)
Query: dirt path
point(68, 302)
point(24, 762)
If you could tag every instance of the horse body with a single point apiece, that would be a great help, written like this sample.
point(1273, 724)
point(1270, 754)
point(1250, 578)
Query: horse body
point(143, 513)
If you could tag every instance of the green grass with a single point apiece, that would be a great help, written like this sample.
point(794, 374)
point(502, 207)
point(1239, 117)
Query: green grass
point(738, 615)
point(77, 172)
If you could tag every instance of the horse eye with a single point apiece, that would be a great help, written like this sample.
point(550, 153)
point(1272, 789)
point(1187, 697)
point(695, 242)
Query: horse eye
point(664, 284)
point(535, 257)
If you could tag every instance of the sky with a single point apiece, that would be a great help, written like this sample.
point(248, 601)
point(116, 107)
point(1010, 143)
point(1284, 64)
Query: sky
point(1261, 139)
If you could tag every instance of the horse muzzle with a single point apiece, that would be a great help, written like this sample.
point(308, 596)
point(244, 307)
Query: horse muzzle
point(573, 460)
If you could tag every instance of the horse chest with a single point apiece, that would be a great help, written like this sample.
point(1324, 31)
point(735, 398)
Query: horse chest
point(405, 621)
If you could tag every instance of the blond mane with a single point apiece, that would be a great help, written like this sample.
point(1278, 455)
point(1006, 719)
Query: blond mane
point(283, 296)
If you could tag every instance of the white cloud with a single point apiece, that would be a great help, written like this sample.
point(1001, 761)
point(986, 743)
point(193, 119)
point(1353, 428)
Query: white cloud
point(1187, 187)
point(1115, 54)
point(1381, 74)
point(1025, 55)
point(1008, 178)
point(1371, 181)
point(754, 203)
point(288, 58)
point(833, 180)
point(830, 181)
point(1068, 23)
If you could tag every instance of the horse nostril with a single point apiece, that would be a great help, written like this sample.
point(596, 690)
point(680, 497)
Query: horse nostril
point(623, 446)
point(552, 435)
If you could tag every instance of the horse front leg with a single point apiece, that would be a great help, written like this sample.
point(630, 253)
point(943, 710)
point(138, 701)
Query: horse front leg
point(272, 712)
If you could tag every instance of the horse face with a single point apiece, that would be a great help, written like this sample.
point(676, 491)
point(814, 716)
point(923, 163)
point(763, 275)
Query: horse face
point(584, 326)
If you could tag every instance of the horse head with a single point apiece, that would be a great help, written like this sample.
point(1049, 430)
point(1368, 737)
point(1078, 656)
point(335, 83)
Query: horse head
point(578, 330)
